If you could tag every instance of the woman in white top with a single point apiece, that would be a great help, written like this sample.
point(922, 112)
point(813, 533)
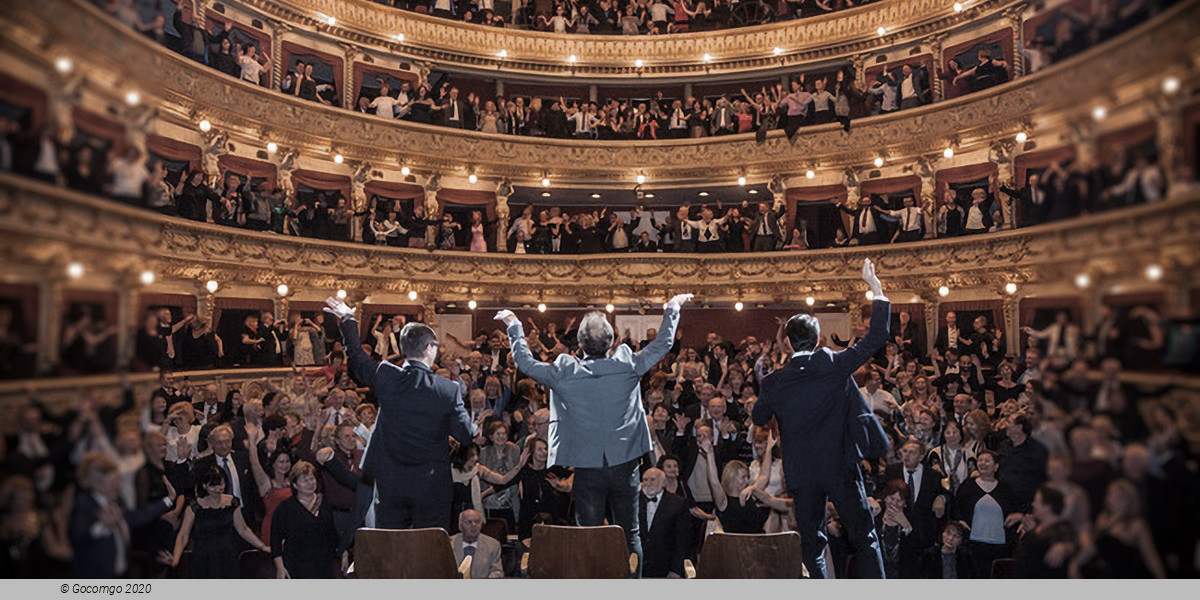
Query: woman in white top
point(183, 436)
point(384, 104)
point(129, 175)
point(252, 69)
point(952, 459)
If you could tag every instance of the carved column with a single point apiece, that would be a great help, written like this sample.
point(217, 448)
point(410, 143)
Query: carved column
point(50, 303)
point(1013, 14)
point(931, 301)
point(349, 94)
point(1006, 174)
point(1012, 323)
point(431, 213)
point(429, 311)
point(1169, 119)
point(280, 307)
point(501, 223)
point(858, 62)
point(63, 95)
point(205, 303)
point(935, 47)
point(214, 148)
point(284, 169)
point(358, 198)
point(855, 302)
point(128, 318)
point(278, 30)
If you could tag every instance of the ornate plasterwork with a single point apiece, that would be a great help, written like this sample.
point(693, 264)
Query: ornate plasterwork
point(43, 225)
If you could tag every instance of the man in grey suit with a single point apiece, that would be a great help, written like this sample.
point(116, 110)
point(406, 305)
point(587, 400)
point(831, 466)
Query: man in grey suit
point(597, 423)
point(483, 550)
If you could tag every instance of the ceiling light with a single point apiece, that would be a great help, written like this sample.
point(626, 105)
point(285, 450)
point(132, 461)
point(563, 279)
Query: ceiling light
point(545, 182)
point(282, 290)
point(707, 57)
point(958, 7)
point(147, 277)
point(272, 147)
point(810, 174)
point(472, 304)
point(810, 301)
point(741, 181)
point(596, 196)
point(1022, 137)
point(948, 153)
point(412, 294)
point(778, 50)
point(609, 307)
point(545, 194)
point(572, 58)
point(472, 178)
point(399, 37)
point(541, 307)
point(703, 194)
point(339, 159)
point(1010, 288)
point(63, 65)
point(753, 191)
point(341, 294)
point(1154, 272)
point(641, 179)
point(332, 21)
point(405, 170)
point(738, 306)
point(1083, 280)
point(1170, 85)
point(1099, 113)
point(650, 195)
point(75, 270)
point(502, 54)
point(878, 161)
point(870, 295)
point(638, 63)
point(205, 125)
point(212, 286)
point(943, 291)
point(133, 98)
point(881, 30)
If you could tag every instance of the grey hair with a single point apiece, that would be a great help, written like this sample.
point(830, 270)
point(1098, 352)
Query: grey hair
point(595, 334)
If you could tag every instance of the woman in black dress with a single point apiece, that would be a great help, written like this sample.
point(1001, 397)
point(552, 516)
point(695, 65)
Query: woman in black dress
point(1121, 545)
point(742, 506)
point(210, 521)
point(306, 86)
point(542, 489)
point(303, 538)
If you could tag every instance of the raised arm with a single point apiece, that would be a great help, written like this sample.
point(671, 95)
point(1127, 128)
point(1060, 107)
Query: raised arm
point(850, 359)
point(646, 358)
point(361, 365)
point(544, 373)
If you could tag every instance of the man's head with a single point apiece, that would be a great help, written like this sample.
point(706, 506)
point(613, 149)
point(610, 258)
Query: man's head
point(911, 454)
point(1047, 503)
point(541, 423)
point(874, 379)
point(419, 342)
point(652, 482)
point(595, 334)
point(951, 318)
point(345, 438)
point(716, 406)
point(963, 404)
point(803, 332)
point(220, 439)
point(470, 522)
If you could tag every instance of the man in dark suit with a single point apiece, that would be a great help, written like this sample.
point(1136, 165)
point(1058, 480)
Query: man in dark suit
point(209, 409)
point(868, 225)
point(812, 399)
point(236, 465)
point(454, 110)
point(926, 507)
point(665, 527)
point(764, 231)
point(1032, 204)
point(682, 233)
point(408, 458)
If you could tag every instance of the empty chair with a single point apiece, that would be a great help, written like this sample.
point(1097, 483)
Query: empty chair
point(405, 554)
point(751, 556)
point(557, 552)
point(497, 529)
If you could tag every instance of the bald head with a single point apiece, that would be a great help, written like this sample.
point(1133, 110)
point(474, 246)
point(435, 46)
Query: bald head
point(470, 522)
point(653, 481)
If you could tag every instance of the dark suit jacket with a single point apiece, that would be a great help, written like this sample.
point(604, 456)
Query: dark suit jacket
point(664, 543)
point(925, 525)
point(881, 220)
point(931, 563)
point(810, 396)
point(418, 412)
point(1029, 213)
point(252, 505)
point(95, 557)
point(772, 217)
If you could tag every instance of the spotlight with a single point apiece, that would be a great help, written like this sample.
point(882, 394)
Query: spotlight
point(1154, 272)
point(341, 294)
point(1022, 137)
point(545, 194)
point(133, 98)
point(541, 307)
point(741, 181)
point(943, 291)
point(472, 178)
point(778, 51)
point(572, 58)
point(471, 304)
point(63, 65)
point(651, 196)
point(609, 307)
point(502, 54)
point(596, 196)
point(738, 306)
point(958, 7)
point(545, 182)
point(282, 290)
point(75, 270)
point(1099, 113)
point(878, 161)
point(1010, 288)
point(212, 286)
point(638, 63)
point(810, 174)
point(147, 277)
point(405, 170)
point(703, 194)
point(948, 153)
point(1171, 85)
point(272, 147)
point(706, 58)
point(339, 159)
point(399, 37)
point(412, 294)
point(641, 179)
point(881, 31)
point(810, 301)
point(1083, 280)
point(753, 191)
point(205, 125)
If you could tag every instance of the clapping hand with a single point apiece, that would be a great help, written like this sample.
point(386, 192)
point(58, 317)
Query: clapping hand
point(339, 309)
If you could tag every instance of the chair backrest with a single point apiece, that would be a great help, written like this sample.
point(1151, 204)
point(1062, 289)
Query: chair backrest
point(496, 528)
point(404, 554)
point(1004, 568)
point(578, 553)
point(751, 556)
point(255, 564)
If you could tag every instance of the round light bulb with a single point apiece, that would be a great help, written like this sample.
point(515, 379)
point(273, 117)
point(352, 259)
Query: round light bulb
point(545, 182)
point(958, 7)
point(212, 286)
point(341, 294)
point(638, 63)
point(502, 54)
point(272, 147)
point(75, 270)
point(471, 304)
point(1154, 272)
point(878, 161)
point(399, 37)
point(948, 153)
point(943, 291)
point(609, 307)
point(1010, 288)
point(738, 306)
point(205, 125)
point(472, 178)
point(778, 50)
point(147, 277)
point(707, 57)
point(1022, 137)
point(741, 181)
point(541, 307)
point(63, 65)
point(703, 194)
point(641, 179)
point(1099, 113)
point(810, 301)
point(339, 159)
point(809, 174)
point(405, 170)
point(282, 290)
point(1171, 85)
point(545, 194)
point(1083, 280)
point(595, 196)
point(133, 98)
point(412, 294)
point(572, 58)
point(881, 30)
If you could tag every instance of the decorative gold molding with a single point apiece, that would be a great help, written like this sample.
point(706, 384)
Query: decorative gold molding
point(46, 226)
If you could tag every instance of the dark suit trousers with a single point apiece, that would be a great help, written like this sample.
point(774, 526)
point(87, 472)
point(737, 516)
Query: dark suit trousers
point(764, 243)
point(414, 497)
point(850, 499)
point(616, 487)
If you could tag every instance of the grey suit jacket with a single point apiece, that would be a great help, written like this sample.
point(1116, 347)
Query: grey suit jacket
point(486, 563)
point(596, 414)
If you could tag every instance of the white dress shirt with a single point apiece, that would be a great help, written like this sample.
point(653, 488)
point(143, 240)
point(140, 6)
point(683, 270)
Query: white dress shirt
point(652, 503)
point(235, 483)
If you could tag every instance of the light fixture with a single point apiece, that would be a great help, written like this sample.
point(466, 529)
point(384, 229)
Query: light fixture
point(472, 304)
point(742, 180)
point(341, 294)
point(810, 301)
point(75, 270)
point(638, 63)
point(502, 53)
point(472, 178)
point(405, 170)
point(1083, 280)
point(1154, 272)
point(641, 179)
point(810, 174)
point(572, 58)
point(147, 277)
point(778, 50)
point(545, 182)
point(212, 286)
point(272, 147)
point(753, 191)
point(651, 196)
point(205, 125)
point(339, 159)
point(412, 294)
point(133, 98)
point(332, 21)
point(870, 295)
point(63, 65)
point(943, 291)
point(1170, 85)
point(1022, 137)
point(1099, 113)
point(596, 196)
point(609, 307)
point(1010, 288)
point(881, 30)
point(706, 58)
point(878, 161)
point(738, 306)
point(958, 7)
point(948, 153)
point(282, 290)
point(703, 194)
point(541, 307)
point(399, 37)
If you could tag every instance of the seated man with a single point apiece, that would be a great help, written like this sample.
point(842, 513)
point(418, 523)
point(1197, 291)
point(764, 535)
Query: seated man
point(484, 550)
